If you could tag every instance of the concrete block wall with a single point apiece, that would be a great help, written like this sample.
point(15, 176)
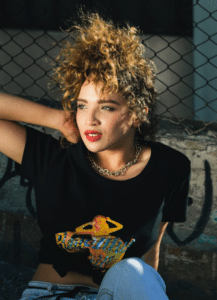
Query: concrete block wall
point(188, 256)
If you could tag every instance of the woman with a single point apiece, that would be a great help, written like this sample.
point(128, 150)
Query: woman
point(105, 199)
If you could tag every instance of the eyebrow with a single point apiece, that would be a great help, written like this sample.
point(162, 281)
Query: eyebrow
point(101, 101)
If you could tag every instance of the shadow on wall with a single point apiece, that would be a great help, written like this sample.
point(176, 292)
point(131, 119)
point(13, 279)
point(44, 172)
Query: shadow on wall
point(206, 212)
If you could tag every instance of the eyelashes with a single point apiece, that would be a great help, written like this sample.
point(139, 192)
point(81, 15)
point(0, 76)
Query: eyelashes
point(110, 108)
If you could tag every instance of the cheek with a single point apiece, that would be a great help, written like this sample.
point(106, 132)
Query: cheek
point(114, 120)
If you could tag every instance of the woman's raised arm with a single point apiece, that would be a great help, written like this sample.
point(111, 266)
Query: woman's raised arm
point(14, 108)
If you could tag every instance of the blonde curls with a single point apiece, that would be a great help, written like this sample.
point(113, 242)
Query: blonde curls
point(113, 56)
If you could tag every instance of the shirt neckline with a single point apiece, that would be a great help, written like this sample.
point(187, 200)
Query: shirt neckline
point(133, 180)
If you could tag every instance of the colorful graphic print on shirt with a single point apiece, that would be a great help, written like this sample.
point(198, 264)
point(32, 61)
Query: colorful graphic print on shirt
point(105, 249)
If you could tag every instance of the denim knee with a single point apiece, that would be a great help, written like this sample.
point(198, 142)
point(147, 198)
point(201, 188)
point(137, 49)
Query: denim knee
point(132, 278)
point(135, 262)
point(136, 265)
point(132, 268)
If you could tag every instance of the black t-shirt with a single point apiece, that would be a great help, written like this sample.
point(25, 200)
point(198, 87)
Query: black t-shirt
point(89, 222)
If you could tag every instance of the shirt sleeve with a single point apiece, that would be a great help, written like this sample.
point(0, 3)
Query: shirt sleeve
point(175, 208)
point(39, 151)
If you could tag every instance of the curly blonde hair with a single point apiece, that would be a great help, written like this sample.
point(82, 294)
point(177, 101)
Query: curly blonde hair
point(112, 55)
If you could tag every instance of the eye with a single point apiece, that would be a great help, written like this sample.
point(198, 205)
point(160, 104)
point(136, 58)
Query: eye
point(110, 108)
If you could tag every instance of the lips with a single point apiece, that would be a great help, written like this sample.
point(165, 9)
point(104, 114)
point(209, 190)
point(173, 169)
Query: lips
point(93, 138)
point(92, 132)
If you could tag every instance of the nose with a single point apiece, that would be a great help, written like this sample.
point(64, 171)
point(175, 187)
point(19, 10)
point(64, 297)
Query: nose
point(91, 118)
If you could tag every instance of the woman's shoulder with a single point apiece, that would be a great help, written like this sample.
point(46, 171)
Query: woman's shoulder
point(170, 154)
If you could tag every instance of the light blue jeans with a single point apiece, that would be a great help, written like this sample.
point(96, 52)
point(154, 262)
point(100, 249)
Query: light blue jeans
point(129, 279)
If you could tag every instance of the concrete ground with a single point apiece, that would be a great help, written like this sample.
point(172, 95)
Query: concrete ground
point(13, 280)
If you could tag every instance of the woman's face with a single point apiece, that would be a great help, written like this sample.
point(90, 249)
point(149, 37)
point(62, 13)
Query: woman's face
point(112, 120)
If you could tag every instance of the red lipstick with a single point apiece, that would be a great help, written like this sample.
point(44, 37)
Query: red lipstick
point(93, 138)
point(91, 131)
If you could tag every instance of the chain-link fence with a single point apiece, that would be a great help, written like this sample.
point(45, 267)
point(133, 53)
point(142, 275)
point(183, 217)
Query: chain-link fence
point(187, 66)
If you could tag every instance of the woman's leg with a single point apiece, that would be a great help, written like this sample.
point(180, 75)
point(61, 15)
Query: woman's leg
point(130, 279)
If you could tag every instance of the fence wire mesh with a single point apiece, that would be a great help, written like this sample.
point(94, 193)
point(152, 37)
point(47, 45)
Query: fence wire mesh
point(181, 62)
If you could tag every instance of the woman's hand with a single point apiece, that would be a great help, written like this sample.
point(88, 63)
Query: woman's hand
point(68, 128)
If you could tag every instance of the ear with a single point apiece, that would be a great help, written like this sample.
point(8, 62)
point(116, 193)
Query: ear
point(136, 123)
point(145, 110)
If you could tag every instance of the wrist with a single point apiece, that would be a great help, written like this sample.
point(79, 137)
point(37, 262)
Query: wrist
point(53, 118)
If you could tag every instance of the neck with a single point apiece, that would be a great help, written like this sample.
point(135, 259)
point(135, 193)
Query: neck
point(114, 159)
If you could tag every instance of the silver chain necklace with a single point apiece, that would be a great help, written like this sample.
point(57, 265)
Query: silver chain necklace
point(122, 170)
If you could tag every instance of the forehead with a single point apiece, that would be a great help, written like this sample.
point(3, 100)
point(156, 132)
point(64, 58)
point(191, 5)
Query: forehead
point(91, 90)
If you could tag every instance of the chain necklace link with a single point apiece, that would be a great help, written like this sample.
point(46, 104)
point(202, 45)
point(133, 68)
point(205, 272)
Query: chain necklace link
point(119, 172)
